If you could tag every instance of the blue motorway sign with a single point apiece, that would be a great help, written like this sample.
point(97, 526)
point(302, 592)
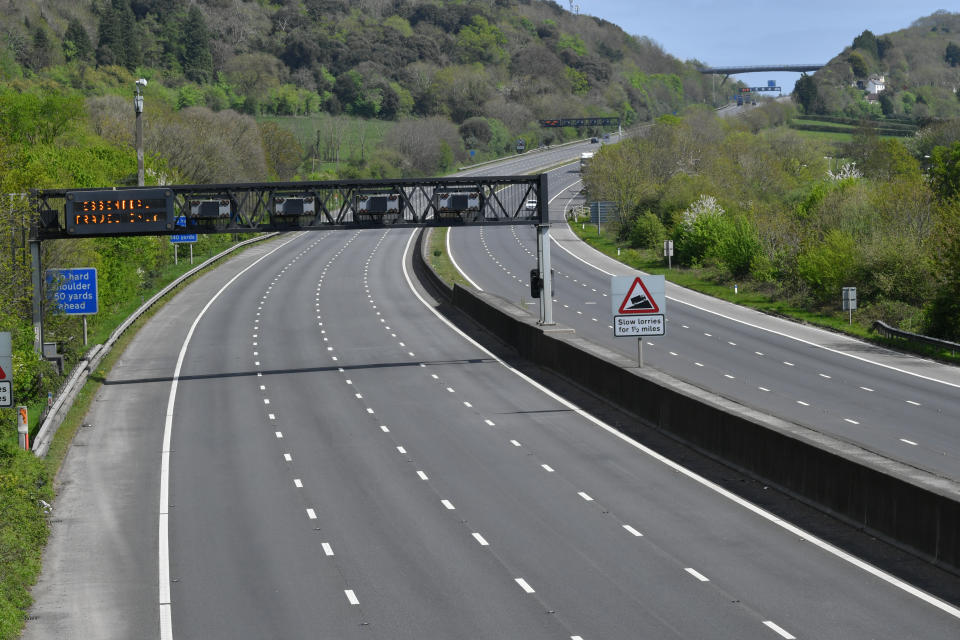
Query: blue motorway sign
point(183, 237)
point(73, 291)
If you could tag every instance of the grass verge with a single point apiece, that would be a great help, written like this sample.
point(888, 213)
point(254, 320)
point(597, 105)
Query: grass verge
point(440, 260)
point(26, 480)
point(748, 295)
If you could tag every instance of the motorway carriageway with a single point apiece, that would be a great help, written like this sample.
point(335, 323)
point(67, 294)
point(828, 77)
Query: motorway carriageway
point(333, 459)
point(898, 406)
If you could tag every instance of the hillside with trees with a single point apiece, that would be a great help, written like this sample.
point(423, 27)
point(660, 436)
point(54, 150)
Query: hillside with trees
point(920, 66)
point(253, 90)
point(490, 69)
point(792, 219)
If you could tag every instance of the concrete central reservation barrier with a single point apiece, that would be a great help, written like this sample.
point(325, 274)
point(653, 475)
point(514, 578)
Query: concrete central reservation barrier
point(904, 505)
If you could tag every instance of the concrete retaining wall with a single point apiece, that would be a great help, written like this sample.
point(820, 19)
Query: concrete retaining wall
point(904, 505)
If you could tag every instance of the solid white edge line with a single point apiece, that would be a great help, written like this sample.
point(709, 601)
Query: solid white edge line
point(457, 266)
point(163, 543)
point(773, 331)
point(795, 530)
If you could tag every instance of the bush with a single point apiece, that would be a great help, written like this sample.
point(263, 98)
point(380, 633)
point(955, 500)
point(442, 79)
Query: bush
point(738, 247)
point(700, 231)
point(23, 531)
point(828, 266)
point(647, 232)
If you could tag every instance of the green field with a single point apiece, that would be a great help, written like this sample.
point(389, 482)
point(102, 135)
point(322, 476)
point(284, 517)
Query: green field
point(329, 140)
point(745, 294)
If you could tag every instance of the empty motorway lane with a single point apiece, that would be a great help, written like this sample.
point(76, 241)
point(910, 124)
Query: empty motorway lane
point(899, 406)
point(337, 462)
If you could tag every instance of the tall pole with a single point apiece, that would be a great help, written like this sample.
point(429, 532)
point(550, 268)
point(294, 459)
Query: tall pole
point(138, 108)
point(543, 252)
point(37, 296)
point(543, 255)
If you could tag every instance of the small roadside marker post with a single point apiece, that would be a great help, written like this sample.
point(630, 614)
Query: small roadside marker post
point(23, 428)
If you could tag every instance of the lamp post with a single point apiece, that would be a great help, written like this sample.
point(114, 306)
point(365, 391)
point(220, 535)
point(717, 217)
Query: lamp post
point(138, 108)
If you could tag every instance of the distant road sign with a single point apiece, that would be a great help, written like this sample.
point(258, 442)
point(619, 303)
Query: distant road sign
point(73, 291)
point(581, 122)
point(183, 237)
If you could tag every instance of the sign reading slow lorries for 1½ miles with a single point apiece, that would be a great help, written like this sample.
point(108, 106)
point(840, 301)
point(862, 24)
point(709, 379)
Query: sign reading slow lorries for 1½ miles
point(639, 305)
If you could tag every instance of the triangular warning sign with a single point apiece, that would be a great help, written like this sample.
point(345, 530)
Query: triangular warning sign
point(638, 300)
point(3, 374)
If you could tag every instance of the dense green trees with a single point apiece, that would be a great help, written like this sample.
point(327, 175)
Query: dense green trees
point(76, 43)
point(767, 210)
point(952, 54)
point(118, 40)
point(919, 68)
point(379, 60)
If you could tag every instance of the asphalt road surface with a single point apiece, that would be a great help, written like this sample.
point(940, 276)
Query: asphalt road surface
point(343, 463)
point(899, 406)
point(297, 446)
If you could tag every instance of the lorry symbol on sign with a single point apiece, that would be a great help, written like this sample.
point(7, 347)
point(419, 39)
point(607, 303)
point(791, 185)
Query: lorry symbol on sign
point(638, 300)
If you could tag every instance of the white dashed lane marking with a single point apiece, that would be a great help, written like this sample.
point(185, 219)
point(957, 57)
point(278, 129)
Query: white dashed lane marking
point(523, 585)
point(779, 630)
point(696, 574)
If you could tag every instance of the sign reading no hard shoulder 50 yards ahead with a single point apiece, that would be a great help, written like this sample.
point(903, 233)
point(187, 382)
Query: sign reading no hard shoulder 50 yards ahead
point(73, 291)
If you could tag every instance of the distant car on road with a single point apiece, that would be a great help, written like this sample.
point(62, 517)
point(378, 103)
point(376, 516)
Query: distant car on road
point(606, 136)
point(531, 204)
point(594, 140)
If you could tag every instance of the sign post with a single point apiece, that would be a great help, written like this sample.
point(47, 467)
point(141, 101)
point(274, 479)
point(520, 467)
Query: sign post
point(668, 252)
point(849, 300)
point(639, 308)
point(183, 238)
point(6, 370)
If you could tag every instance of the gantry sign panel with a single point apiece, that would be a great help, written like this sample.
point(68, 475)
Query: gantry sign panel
point(289, 206)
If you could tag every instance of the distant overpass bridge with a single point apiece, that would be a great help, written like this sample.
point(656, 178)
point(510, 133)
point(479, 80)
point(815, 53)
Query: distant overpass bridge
point(726, 72)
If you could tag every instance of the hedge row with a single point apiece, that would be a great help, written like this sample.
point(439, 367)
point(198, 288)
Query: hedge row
point(883, 131)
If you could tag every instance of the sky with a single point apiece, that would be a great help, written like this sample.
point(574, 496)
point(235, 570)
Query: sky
point(752, 32)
